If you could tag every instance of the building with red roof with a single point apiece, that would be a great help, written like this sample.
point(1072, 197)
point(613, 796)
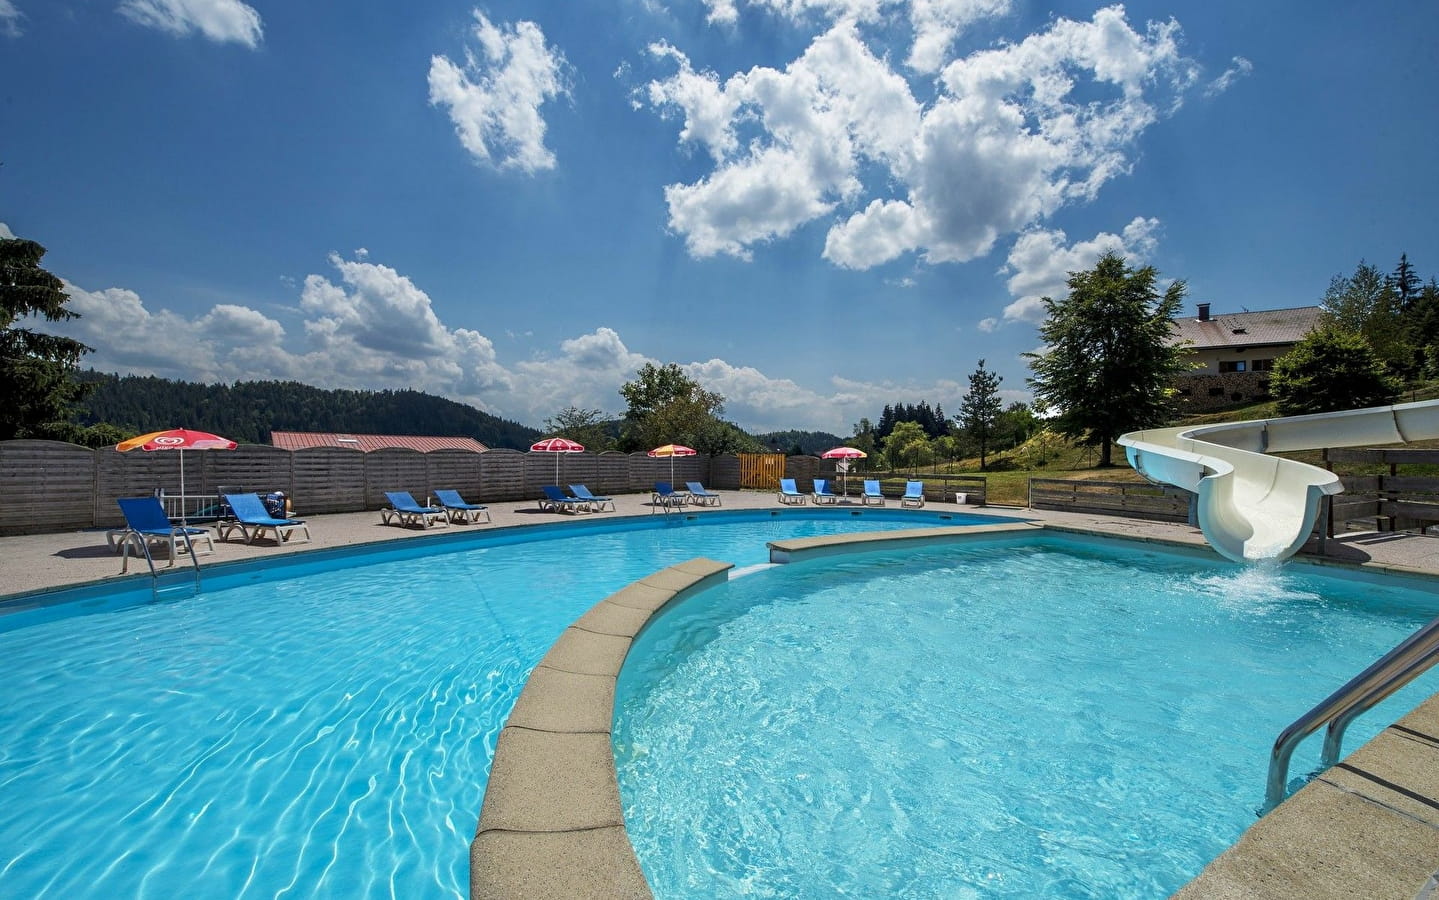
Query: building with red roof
point(368, 443)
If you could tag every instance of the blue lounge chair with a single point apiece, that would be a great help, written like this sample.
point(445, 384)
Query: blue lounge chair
point(557, 500)
point(145, 520)
point(788, 493)
point(594, 503)
point(404, 509)
point(913, 494)
point(666, 495)
point(248, 514)
point(458, 510)
point(701, 496)
point(872, 492)
point(822, 493)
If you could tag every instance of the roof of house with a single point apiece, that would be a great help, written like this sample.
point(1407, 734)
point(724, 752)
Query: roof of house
point(367, 443)
point(1247, 329)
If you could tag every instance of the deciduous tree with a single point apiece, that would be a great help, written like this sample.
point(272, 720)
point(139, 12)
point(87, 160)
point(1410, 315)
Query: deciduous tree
point(1331, 369)
point(1109, 360)
point(666, 406)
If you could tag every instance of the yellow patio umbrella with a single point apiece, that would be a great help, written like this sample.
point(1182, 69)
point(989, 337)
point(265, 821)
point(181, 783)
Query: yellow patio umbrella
point(673, 450)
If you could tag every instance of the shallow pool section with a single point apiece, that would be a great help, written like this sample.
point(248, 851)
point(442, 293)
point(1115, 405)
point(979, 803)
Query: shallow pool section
point(1047, 717)
point(318, 727)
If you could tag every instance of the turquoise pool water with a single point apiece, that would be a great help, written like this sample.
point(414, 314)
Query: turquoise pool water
point(315, 727)
point(1007, 718)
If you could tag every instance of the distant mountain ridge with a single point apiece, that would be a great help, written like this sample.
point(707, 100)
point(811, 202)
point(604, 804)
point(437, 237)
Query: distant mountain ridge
point(247, 411)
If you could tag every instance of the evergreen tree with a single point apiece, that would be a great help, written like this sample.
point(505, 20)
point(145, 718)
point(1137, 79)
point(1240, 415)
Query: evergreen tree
point(1109, 362)
point(1405, 283)
point(1331, 369)
point(1367, 304)
point(38, 370)
point(980, 408)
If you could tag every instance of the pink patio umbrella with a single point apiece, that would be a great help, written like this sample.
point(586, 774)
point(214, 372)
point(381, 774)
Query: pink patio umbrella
point(673, 450)
point(846, 454)
point(557, 445)
point(180, 439)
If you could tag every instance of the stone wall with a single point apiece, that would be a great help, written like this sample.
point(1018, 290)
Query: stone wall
point(1204, 392)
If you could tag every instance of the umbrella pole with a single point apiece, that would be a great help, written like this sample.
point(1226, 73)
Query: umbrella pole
point(183, 520)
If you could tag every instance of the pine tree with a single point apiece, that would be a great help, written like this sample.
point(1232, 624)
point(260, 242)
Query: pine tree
point(38, 370)
point(1109, 363)
point(980, 408)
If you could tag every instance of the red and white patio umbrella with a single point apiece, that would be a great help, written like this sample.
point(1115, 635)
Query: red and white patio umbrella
point(673, 450)
point(180, 439)
point(557, 445)
point(846, 454)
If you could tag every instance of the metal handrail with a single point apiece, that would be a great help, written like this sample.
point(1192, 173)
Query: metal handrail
point(1413, 656)
point(143, 543)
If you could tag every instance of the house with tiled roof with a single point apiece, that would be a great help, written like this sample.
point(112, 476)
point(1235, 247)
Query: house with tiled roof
point(368, 443)
point(1233, 353)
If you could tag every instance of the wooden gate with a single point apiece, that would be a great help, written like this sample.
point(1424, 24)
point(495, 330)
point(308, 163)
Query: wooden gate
point(761, 471)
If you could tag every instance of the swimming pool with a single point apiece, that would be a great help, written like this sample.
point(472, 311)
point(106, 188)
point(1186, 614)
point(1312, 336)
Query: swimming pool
point(317, 725)
point(1049, 717)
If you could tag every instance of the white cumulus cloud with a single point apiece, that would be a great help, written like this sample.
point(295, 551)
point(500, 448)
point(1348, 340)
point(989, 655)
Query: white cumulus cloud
point(219, 20)
point(1014, 133)
point(494, 97)
point(1040, 263)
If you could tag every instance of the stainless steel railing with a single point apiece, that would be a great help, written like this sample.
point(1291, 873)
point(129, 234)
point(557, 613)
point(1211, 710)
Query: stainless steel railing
point(1411, 658)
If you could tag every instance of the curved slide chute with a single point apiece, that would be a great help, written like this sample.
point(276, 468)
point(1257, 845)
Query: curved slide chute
point(1252, 506)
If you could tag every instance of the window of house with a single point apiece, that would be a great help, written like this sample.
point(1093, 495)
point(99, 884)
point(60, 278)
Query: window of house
point(1263, 365)
point(1231, 365)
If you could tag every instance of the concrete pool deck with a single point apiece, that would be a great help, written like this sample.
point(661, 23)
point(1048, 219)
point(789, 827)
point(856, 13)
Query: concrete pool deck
point(1369, 827)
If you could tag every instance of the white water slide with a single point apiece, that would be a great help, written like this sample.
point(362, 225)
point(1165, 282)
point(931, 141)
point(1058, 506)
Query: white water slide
point(1252, 506)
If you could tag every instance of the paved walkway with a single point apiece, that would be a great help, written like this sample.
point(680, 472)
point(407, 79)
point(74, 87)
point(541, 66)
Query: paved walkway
point(44, 562)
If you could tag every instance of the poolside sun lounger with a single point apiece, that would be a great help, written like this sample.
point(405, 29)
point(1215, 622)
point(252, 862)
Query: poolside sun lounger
point(556, 500)
point(872, 492)
point(595, 504)
point(822, 493)
point(251, 518)
point(145, 520)
point(788, 493)
point(702, 497)
point(666, 495)
point(913, 494)
point(457, 509)
point(404, 509)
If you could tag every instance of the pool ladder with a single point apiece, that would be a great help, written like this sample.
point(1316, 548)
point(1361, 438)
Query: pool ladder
point(1407, 661)
point(139, 540)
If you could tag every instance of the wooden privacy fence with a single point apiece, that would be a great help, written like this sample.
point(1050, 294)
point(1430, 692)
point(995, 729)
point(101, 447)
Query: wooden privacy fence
point(54, 486)
point(1135, 499)
point(1391, 502)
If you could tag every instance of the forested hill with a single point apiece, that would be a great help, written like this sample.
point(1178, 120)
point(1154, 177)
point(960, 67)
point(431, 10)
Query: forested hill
point(248, 411)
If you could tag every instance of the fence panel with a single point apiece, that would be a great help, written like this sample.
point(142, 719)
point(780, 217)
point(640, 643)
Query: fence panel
point(455, 470)
point(46, 486)
point(503, 476)
point(254, 469)
point(328, 479)
point(394, 469)
point(1134, 499)
point(724, 473)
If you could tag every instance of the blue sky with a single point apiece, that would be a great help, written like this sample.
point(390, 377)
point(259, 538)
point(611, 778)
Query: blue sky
point(814, 206)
